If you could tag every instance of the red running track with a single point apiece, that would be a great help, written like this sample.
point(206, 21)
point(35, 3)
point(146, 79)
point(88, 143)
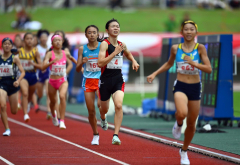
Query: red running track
point(26, 146)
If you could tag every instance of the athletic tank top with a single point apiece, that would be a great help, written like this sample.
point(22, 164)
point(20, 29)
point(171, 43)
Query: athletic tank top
point(114, 67)
point(185, 68)
point(59, 67)
point(7, 68)
point(42, 51)
point(91, 69)
point(25, 57)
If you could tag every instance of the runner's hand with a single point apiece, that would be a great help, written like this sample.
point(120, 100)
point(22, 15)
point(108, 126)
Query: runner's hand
point(16, 83)
point(150, 78)
point(84, 60)
point(119, 49)
point(135, 66)
point(188, 60)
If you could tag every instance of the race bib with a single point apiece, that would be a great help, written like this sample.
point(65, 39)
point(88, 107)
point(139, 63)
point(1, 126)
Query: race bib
point(6, 70)
point(26, 65)
point(116, 63)
point(186, 68)
point(59, 70)
point(92, 66)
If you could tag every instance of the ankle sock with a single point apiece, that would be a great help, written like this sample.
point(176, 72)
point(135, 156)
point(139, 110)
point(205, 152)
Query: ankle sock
point(115, 135)
point(179, 125)
point(61, 120)
point(183, 150)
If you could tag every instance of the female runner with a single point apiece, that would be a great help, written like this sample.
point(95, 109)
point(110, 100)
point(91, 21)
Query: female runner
point(187, 87)
point(9, 85)
point(56, 60)
point(88, 55)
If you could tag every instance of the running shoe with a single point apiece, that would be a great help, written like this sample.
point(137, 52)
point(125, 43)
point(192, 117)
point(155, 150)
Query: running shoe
point(19, 106)
point(95, 140)
point(116, 140)
point(49, 116)
point(62, 125)
point(184, 157)
point(176, 131)
point(55, 119)
point(36, 107)
point(29, 107)
point(7, 132)
point(26, 118)
point(104, 124)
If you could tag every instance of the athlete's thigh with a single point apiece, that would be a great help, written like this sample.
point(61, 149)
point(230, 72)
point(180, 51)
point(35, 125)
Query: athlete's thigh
point(63, 89)
point(193, 111)
point(3, 97)
point(52, 92)
point(13, 99)
point(118, 97)
point(46, 85)
point(90, 99)
point(32, 89)
point(24, 86)
point(181, 102)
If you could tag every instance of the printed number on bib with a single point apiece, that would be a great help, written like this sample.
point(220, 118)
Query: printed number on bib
point(26, 65)
point(115, 63)
point(186, 68)
point(6, 70)
point(92, 66)
point(58, 70)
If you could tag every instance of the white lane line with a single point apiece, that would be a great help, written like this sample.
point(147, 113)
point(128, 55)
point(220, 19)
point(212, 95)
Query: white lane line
point(6, 161)
point(66, 141)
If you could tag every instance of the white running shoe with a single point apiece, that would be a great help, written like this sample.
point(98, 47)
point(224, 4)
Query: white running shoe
point(104, 124)
point(62, 125)
point(29, 107)
point(116, 140)
point(26, 118)
point(95, 140)
point(176, 131)
point(184, 157)
point(55, 119)
point(7, 132)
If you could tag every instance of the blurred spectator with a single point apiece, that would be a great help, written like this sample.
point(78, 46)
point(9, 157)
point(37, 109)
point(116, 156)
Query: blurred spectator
point(115, 4)
point(211, 4)
point(18, 42)
point(171, 3)
point(170, 24)
point(234, 4)
point(186, 17)
point(22, 19)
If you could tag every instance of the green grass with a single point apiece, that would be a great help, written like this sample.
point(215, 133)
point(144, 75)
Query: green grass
point(134, 99)
point(142, 20)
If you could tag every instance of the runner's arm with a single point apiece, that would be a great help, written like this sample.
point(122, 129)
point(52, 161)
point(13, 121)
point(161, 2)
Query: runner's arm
point(16, 60)
point(46, 62)
point(130, 57)
point(102, 60)
point(206, 66)
point(80, 60)
point(37, 65)
point(69, 66)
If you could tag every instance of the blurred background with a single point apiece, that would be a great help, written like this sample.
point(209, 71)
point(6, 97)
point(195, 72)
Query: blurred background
point(143, 23)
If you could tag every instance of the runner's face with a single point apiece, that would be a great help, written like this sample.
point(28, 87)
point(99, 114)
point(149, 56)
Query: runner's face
point(43, 39)
point(113, 29)
point(28, 40)
point(189, 32)
point(35, 41)
point(57, 42)
point(18, 42)
point(92, 34)
point(7, 46)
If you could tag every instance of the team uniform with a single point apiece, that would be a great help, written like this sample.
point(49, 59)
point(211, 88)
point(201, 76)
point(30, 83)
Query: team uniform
point(59, 69)
point(42, 75)
point(8, 74)
point(91, 72)
point(192, 91)
point(111, 79)
point(30, 71)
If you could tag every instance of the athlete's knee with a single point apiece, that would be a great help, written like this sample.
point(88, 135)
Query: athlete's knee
point(191, 126)
point(180, 115)
point(52, 103)
point(14, 111)
point(3, 107)
point(118, 106)
point(62, 97)
point(91, 114)
point(25, 94)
